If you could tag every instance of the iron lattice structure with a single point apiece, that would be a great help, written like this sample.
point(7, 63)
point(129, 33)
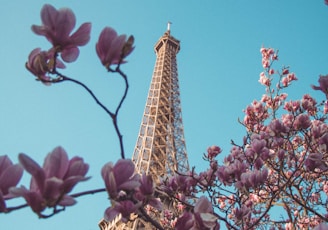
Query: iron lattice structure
point(160, 149)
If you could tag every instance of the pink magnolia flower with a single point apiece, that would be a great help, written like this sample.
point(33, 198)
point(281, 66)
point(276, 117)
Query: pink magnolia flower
point(315, 160)
point(264, 80)
point(120, 177)
point(213, 151)
point(179, 183)
point(203, 212)
point(57, 26)
point(202, 217)
point(10, 175)
point(241, 213)
point(277, 128)
point(252, 179)
point(125, 208)
point(288, 79)
point(323, 84)
point(258, 149)
point(185, 221)
point(40, 63)
point(145, 192)
point(309, 104)
point(302, 121)
point(292, 106)
point(322, 226)
point(112, 48)
point(228, 173)
point(268, 54)
point(50, 184)
point(285, 71)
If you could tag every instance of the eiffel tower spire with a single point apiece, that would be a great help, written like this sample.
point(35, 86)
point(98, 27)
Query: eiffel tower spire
point(160, 148)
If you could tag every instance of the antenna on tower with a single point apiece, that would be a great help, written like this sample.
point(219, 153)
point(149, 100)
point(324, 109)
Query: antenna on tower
point(168, 25)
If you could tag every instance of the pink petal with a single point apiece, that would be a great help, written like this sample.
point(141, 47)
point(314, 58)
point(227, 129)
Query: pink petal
point(69, 183)
point(129, 185)
point(111, 185)
point(203, 205)
point(109, 179)
point(110, 214)
point(70, 54)
point(48, 15)
point(18, 192)
point(65, 23)
point(156, 203)
point(114, 54)
point(5, 162)
point(123, 170)
point(316, 87)
point(128, 47)
point(209, 220)
point(32, 56)
point(60, 64)
point(67, 201)
point(10, 177)
point(52, 189)
point(33, 199)
point(2, 204)
point(82, 35)
point(108, 167)
point(34, 169)
point(56, 163)
point(77, 167)
point(322, 226)
point(186, 221)
point(106, 37)
point(103, 45)
point(147, 186)
point(101, 53)
point(40, 30)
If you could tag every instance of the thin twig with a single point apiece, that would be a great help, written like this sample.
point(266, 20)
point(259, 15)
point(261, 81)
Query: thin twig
point(91, 93)
point(113, 116)
point(150, 220)
point(89, 192)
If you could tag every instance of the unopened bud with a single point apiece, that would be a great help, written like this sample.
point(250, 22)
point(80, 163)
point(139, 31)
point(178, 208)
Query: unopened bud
point(128, 46)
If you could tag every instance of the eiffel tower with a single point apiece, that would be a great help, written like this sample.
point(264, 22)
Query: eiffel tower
point(160, 149)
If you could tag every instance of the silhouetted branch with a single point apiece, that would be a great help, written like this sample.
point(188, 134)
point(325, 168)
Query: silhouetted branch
point(113, 115)
point(56, 210)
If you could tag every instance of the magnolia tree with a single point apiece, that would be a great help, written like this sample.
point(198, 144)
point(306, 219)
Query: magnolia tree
point(281, 164)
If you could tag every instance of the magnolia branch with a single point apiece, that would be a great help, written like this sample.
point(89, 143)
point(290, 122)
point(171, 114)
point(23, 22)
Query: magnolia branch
point(113, 115)
point(89, 192)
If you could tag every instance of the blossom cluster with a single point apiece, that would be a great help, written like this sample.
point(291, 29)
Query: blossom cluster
point(57, 27)
point(10, 175)
point(127, 190)
point(131, 194)
point(50, 184)
point(280, 165)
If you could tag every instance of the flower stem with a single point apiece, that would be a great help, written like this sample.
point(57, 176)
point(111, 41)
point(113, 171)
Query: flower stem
point(89, 192)
point(111, 114)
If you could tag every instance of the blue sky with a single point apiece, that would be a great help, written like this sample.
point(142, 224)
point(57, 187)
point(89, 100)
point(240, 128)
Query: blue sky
point(219, 65)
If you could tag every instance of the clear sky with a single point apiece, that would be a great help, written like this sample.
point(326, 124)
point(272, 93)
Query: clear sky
point(219, 65)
